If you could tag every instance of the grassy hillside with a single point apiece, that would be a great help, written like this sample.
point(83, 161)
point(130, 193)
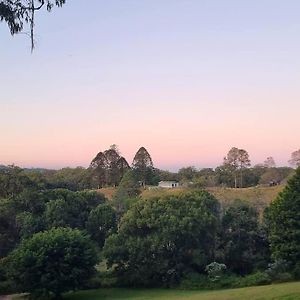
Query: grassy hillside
point(259, 196)
point(286, 291)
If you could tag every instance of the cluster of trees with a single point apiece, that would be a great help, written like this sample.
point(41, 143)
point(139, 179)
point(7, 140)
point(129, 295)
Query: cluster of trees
point(236, 172)
point(106, 169)
point(51, 240)
point(160, 240)
point(109, 167)
point(32, 211)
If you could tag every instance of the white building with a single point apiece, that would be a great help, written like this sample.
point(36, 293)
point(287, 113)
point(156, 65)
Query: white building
point(168, 184)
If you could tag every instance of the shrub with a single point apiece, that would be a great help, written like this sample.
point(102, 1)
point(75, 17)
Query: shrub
point(215, 270)
point(199, 281)
point(52, 262)
point(279, 266)
point(196, 281)
point(283, 277)
point(258, 278)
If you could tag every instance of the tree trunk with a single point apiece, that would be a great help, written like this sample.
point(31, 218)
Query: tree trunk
point(235, 181)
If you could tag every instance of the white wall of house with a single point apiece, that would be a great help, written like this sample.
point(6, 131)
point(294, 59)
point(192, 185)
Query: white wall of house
point(168, 184)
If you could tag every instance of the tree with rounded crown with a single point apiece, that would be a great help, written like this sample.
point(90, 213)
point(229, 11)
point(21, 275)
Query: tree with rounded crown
point(52, 262)
point(143, 166)
point(269, 162)
point(160, 239)
point(109, 167)
point(295, 158)
point(237, 160)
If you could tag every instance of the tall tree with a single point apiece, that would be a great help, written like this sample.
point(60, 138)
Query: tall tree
point(244, 162)
point(109, 166)
point(237, 160)
point(143, 166)
point(100, 165)
point(270, 162)
point(16, 13)
point(187, 173)
point(123, 167)
point(295, 158)
point(112, 157)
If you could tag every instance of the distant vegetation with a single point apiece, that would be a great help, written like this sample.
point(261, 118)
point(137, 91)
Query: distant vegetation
point(59, 233)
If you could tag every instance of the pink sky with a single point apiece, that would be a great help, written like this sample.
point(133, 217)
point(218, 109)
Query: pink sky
point(186, 80)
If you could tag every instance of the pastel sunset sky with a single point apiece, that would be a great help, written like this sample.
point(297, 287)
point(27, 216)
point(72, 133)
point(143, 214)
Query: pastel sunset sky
point(187, 79)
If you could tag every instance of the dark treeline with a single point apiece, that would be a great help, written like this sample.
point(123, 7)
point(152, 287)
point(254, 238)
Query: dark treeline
point(52, 235)
point(109, 167)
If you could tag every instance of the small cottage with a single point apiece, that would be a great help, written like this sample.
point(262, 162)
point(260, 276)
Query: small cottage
point(168, 184)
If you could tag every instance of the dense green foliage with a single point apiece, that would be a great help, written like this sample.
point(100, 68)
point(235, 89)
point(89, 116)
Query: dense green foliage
point(32, 211)
point(52, 262)
point(159, 239)
point(284, 218)
point(182, 238)
point(142, 166)
point(242, 243)
point(101, 223)
point(126, 193)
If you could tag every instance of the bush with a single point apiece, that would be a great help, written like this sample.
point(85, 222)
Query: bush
point(196, 281)
point(215, 270)
point(6, 287)
point(258, 278)
point(296, 271)
point(283, 277)
point(52, 262)
point(278, 267)
point(102, 280)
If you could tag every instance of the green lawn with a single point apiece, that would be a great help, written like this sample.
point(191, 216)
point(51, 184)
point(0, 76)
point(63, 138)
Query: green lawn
point(285, 291)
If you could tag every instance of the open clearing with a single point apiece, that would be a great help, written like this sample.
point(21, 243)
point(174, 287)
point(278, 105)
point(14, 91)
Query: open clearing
point(285, 291)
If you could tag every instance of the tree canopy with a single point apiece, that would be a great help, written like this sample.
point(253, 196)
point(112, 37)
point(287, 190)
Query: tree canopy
point(52, 262)
point(143, 166)
point(236, 161)
point(160, 238)
point(284, 216)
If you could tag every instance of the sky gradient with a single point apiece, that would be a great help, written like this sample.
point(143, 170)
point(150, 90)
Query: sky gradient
point(187, 79)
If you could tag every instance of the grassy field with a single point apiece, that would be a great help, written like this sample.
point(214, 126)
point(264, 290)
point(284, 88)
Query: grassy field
point(259, 196)
point(286, 291)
